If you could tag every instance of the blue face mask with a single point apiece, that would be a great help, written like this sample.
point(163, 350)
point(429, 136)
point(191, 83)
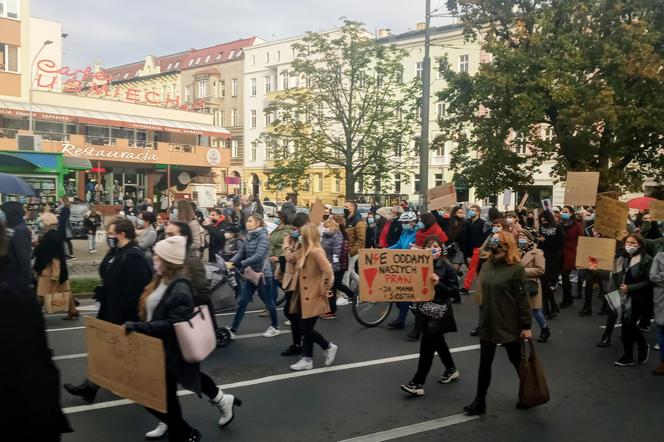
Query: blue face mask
point(295, 234)
point(471, 214)
point(406, 226)
point(277, 221)
point(565, 216)
point(523, 242)
point(420, 225)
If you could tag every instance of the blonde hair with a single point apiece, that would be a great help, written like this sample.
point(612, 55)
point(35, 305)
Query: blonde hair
point(169, 272)
point(512, 254)
point(310, 241)
point(185, 211)
point(331, 224)
point(48, 220)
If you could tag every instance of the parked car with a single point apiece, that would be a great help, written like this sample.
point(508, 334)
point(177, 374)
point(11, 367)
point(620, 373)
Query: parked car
point(270, 208)
point(363, 209)
point(337, 210)
point(78, 211)
point(301, 210)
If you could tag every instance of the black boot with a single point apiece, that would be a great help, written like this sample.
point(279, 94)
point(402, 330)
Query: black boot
point(86, 391)
point(604, 342)
point(585, 312)
point(545, 335)
point(477, 407)
point(414, 334)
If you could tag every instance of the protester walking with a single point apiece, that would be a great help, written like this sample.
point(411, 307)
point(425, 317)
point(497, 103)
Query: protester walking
point(532, 259)
point(453, 227)
point(19, 249)
point(434, 320)
point(51, 266)
point(332, 242)
point(356, 229)
point(550, 240)
point(657, 280)
point(252, 259)
point(187, 215)
point(124, 272)
point(92, 222)
point(473, 236)
point(147, 236)
point(430, 228)
point(388, 229)
point(216, 228)
point(313, 281)
point(573, 230)
point(408, 222)
point(631, 279)
point(276, 253)
point(64, 226)
point(505, 316)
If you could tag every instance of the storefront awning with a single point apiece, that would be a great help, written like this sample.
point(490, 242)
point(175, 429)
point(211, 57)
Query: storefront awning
point(32, 160)
point(76, 163)
point(10, 160)
point(69, 114)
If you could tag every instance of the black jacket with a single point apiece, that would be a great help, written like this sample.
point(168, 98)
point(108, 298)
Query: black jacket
point(48, 249)
point(92, 223)
point(393, 233)
point(29, 380)
point(124, 273)
point(176, 306)
point(447, 287)
point(63, 221)
point(217, 238)
point(472, 236)
point(20, 252)
point(637, 280)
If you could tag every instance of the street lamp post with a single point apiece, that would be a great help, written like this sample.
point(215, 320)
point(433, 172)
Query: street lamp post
point(426, 92)
point(32, 79)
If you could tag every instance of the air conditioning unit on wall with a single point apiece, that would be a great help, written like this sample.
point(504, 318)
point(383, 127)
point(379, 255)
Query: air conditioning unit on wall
point(30, 142)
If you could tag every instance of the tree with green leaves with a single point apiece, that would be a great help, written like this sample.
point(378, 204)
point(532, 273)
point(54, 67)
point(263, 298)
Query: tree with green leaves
point(353, 116)
point(578, 83)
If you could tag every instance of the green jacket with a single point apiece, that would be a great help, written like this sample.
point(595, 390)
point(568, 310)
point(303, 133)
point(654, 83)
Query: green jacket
point(654, 246)
point(505, 310)
point(277, 239)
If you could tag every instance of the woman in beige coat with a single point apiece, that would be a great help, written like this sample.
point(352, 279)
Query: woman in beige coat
point(533, 261)
point(312, 280)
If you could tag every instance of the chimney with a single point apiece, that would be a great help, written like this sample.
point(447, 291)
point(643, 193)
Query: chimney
point(421, 26)
point(383, 32)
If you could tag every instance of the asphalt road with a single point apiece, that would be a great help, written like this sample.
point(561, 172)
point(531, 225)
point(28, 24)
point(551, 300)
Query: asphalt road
point(359, 395)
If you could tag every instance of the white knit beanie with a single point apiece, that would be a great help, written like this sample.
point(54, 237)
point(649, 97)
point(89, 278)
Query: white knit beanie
point(172, 249)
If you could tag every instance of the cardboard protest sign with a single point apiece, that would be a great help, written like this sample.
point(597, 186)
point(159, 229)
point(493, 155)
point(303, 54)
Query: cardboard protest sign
point(657, 210)
point(441, 196)
point(316, 212)
point(132, 366)
point(522, 203)
point(547, 204)
point(610, 216)
point(610, 194)
point(396, 275)
point(581, 188)
point(596, 253)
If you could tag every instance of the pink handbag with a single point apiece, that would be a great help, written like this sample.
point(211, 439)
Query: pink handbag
point(196, 336)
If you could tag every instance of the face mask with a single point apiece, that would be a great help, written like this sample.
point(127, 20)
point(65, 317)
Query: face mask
point(112, 242)
point(493, 243)
point(631, 249)
point(228, 235)
point(370, 221)
point(496, 229)
point(441, 212)
point(509, 221)
point(523, 242)
point(295, 234)
point(471, 214)
point(420, 225)
point(565, 216)
point(277, 221)
point(406, 226)
point(436, 252)
point(326, 230)
point(377, 217)
point(156, 265)
point(346, 213)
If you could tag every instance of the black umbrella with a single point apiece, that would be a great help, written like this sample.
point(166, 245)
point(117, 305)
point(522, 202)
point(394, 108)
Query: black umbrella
point(13, 185)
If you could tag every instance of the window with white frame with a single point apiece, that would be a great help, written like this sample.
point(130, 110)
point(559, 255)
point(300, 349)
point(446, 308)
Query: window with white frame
point(8, 58)
point(231, 54)
point(267, 57)
point(234, 87)
point(293, 53)
point(520, 144)
point(268, 151)
point(254, 151)
point(278, 55)
point(438, 179)
point(222, 88)
point(268, 120)
point(173, 87)
point(170, 65)
point(222, 117)
point(416, 183)
point(397, 183)
point(9, 9)
point(336, 185)
point(253, 118)
point(198, 60)
point(548, 133)
point(252, 87)
point(202, 89)
point(284, 80)
point(463, 63)
point(440, 109)
point(318, 182)
point(418, 70)
point(235, 117)
point(235, 149)
point(268, 84)
point(187, 94)
point(441, 68)
point(207, 58)
point(440, 151)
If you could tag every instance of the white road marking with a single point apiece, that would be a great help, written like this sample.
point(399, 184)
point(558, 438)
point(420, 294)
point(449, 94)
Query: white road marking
point(85, 355)
point(273, 378)
point(409, 430)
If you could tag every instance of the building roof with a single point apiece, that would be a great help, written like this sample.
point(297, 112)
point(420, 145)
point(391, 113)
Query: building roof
point(417, 34)
point(193, 58)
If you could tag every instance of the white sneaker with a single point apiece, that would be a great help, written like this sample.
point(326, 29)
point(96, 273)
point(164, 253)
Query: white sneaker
point(330, 354)
point(231, 333)
point(158, 432)
point(91, 251)
point(271, 332)
point(301, 365)
point(287, 323)
point(225, 404)
point(342, 301)
point(656, 347)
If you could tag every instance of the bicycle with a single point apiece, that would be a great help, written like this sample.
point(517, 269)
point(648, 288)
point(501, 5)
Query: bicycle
point(369, 313)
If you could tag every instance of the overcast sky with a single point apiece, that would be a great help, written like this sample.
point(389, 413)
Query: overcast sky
point(122, 31)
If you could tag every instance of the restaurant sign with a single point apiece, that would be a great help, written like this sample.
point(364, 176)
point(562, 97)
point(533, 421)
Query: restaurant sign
point(98, 153)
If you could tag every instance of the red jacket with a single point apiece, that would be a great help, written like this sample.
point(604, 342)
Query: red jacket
point(572, 233)
point(434, 230)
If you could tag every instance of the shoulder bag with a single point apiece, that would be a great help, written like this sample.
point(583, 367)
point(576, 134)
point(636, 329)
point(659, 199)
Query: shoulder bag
point(533, 389)
point(196, 337)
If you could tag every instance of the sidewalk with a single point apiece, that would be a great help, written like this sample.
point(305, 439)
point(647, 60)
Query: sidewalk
point(86, 264)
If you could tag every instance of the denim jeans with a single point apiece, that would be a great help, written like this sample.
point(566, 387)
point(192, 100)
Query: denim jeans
point(92, 244)
point(539, 317)
point(403, 311)
point(659, 329)
point(246, 292)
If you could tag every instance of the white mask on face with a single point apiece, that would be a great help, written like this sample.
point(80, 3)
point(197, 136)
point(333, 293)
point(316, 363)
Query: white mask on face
point(156, 265)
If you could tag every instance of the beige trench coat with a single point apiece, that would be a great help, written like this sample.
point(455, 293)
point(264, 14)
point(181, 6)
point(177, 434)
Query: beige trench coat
point(533, 262)
point(314, 281)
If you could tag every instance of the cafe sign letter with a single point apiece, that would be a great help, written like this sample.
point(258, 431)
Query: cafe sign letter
point(97, 153)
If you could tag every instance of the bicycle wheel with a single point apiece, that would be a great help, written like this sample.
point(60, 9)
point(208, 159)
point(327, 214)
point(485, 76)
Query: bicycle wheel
point(370, 314)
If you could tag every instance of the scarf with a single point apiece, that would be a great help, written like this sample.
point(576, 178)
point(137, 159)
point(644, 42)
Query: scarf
point(548, 231)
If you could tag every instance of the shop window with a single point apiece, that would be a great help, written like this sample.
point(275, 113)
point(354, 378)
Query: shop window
point(8, 58)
